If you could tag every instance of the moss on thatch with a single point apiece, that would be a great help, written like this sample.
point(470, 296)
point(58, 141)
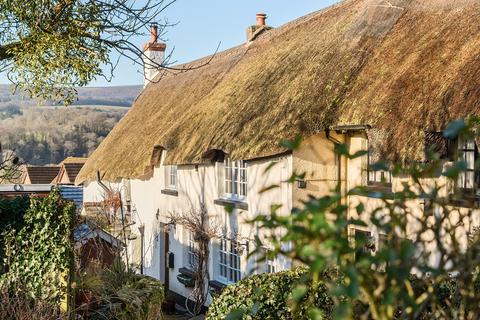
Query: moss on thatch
point(402, 66)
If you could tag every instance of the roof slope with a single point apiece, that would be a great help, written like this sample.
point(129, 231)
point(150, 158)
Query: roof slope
point(403, 66)
point(41, 174)
point(69, 169)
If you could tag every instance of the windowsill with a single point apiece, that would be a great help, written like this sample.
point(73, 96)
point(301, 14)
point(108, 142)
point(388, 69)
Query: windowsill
point(237, 204)
point(464, 199)
point(187, 271)
point(224, 282)
point(170, 192)
point(217, 287)
point(376, 191)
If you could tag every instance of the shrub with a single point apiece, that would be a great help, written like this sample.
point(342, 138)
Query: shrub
point(119, 293)
point(18, 306)
point(267, 296)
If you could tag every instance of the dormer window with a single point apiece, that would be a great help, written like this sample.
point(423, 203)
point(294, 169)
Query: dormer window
point(235, 184)
point(171, 177)
point(467, 153)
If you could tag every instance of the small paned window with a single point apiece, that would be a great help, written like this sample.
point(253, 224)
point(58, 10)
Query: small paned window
point(468, 178)
point(192, 251)
point(270, 263)
point(235, 179)
point(171, 177)
point(378, 177)
point(229, 261)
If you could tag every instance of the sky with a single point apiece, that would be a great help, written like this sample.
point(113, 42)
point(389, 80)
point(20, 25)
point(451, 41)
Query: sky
point(204, 24)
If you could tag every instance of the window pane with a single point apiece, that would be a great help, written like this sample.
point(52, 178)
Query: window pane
point(229, 261)
point(228, 177)
point(235, 179)
point(469, 179)
point(470, 159)
point(461, 179)
point(470, 144)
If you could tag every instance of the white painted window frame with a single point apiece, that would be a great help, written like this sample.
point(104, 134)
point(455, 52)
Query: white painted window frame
point(271, 264)
point(171, 177)
point(235, 179)
point(192, 258)
point(467, 152)
point(380, 177)
point(229, 263)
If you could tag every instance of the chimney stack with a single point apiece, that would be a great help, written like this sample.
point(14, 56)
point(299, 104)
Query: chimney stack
point(259, 27)
point(153, 55)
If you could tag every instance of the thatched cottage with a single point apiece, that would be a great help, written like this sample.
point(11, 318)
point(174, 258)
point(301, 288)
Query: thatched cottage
point(384, 75)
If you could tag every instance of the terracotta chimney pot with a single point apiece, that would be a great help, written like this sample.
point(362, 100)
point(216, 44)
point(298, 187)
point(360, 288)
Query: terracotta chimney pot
point(261, 17)
point(153, 33)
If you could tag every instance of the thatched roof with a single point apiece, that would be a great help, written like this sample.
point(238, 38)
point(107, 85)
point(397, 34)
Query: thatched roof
point(402, 66)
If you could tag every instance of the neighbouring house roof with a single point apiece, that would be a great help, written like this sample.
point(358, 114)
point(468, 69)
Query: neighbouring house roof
point(403, 67)
point(69, 169)
point(39, 174)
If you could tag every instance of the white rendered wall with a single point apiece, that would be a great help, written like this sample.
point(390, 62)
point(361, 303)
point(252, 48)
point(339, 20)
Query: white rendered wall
point(152, 57)
point(196, 185)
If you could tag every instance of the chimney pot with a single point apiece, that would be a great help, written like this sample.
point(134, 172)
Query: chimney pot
point(261, 17)
point(153, 33)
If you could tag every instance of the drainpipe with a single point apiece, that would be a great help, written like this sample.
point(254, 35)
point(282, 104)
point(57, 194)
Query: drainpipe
point(141, 229)
point(99, 181)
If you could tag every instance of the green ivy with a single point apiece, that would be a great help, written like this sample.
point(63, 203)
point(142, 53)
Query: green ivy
point(269, 296)
point(38, 255)
point(12, 213)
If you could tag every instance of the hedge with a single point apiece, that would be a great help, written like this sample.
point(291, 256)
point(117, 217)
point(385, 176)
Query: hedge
point(266, 296)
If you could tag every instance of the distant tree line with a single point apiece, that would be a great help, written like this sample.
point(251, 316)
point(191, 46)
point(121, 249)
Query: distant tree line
point(46, 135)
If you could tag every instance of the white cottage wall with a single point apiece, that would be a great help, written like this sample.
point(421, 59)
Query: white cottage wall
point(196, 185)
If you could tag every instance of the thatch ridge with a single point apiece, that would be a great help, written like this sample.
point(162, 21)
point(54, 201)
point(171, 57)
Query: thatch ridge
point(403, 66)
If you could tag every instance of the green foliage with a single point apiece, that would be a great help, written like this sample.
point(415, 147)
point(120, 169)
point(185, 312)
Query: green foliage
point(120, 293)
point(38, 255)
point(270, 296)
point(54, 48)
point(11, 217)
point(422, 235)
point(49, 47)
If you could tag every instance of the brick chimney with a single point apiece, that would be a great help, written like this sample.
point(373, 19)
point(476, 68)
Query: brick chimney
point(261, 17)
point(259, 27)
point(153, 55)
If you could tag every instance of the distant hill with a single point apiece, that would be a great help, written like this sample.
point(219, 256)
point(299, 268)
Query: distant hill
point(121, 96)
point(47, 134)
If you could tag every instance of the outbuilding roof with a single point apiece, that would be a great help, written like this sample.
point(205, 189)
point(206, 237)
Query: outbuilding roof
point(404, 67)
